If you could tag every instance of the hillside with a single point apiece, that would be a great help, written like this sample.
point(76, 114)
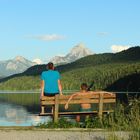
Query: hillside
point(104, 76)
point(105, 69)
point(128, 56)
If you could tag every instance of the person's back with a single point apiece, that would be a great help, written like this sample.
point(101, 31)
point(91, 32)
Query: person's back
point(85, 106)
point(50, 83)
point(51, 78)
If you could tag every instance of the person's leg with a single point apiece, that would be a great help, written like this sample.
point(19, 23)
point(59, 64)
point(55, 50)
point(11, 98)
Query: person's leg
point(78, 118)
point(50, 95)
point(52, 109)
point(42, 109)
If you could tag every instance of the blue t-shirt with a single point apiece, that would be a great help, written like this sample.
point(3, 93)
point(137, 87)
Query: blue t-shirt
point(50, 78)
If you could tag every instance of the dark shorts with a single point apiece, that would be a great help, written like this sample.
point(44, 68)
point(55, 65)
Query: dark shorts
point(50, 94)
point(85, 110)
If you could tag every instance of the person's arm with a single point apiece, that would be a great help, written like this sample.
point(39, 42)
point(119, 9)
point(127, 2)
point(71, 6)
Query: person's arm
point(42, 88)
point(60, 87)
point(67, 104)
point(93, 92)
point(110, 93)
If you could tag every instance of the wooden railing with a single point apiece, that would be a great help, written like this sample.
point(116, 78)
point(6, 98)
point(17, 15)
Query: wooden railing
point(99, 97)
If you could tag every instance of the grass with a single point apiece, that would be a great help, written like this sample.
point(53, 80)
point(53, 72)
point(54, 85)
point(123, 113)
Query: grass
point(132, 136)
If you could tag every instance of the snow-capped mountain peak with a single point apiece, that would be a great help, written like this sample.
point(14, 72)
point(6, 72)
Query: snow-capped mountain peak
point(37, 61)
point(13, 66)
point(78, 48)
point(19, 58)
point(76, 52)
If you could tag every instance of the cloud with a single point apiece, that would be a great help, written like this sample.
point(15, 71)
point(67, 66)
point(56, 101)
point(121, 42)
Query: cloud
point(49, 37)
point(118, 48)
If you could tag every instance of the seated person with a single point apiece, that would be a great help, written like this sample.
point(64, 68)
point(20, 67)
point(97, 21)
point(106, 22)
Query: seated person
point(85, 106)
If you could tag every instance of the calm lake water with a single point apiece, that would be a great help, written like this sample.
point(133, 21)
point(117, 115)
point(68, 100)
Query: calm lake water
point(16, 115)
point(20, 109)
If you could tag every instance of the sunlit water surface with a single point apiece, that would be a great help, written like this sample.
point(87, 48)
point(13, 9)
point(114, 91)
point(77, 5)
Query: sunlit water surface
point(15, 115)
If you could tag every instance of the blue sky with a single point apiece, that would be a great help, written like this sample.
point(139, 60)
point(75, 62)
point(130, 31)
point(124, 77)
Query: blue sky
point(45, 28)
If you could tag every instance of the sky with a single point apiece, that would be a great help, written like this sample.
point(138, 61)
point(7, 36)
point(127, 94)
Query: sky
point(46, 28)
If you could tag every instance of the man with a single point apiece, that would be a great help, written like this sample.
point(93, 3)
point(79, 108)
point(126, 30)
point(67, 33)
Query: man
point(85, 106)
point(50, 82)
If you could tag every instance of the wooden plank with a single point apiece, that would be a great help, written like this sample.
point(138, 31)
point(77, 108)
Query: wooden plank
point(74, 113)
point(80, 101)
point(109, 100)
point(47, 102)
point(79, 96)
point(109, 96)
point(91, 112)
point(48, 98)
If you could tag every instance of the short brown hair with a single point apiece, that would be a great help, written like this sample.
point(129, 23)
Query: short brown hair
point(84, 86)
point(50, 66)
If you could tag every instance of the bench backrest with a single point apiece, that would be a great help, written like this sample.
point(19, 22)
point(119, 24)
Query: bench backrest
point(100, 96)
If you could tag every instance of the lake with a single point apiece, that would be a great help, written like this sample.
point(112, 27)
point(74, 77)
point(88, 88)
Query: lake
point(22, 108)
point(16, 115)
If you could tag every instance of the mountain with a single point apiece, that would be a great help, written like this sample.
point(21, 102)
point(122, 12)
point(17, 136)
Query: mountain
point(76, 52)
point(17, 65)
point(132, 55)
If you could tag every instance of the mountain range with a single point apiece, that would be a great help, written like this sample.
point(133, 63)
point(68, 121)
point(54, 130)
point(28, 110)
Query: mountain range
point(131, 55)
point(19, 64)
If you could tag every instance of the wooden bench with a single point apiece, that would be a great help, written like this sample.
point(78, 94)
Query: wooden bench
point(99, 98)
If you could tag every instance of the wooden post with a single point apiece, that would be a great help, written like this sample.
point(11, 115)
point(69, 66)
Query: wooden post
point(100, 113)
point(56, 108)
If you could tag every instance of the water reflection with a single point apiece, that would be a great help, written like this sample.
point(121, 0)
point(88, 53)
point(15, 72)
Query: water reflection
point(13, 115)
